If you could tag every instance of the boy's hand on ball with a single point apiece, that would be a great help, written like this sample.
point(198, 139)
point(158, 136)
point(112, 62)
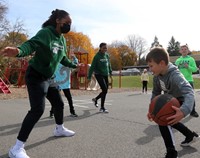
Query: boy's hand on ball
point(176, 117)
point(149, 117)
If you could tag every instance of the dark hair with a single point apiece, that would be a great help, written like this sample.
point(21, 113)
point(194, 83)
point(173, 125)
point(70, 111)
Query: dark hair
point(55, 14)
point(102, 44)
point(185, 46)
point(157, 54)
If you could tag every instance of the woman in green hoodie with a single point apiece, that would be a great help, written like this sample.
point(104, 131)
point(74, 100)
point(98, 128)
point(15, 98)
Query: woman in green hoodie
point(49, 48)
point(101, 68)
point(187, 66)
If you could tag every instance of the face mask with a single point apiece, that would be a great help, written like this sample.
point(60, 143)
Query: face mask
point(65, 28)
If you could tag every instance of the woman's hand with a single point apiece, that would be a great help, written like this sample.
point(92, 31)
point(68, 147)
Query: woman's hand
point(9, 51)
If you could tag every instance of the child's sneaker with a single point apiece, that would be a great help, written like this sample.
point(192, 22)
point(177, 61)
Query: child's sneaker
point(171, 153)
point(190, 140)
point(73, 115)
point(95, 102)
point(63, 132)
point(194, 114)
point(17, 153)
point(103, 110)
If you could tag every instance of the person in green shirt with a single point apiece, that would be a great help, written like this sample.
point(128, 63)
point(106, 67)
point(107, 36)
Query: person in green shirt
point(101, 67)
point(49, 48)
point(186, 64)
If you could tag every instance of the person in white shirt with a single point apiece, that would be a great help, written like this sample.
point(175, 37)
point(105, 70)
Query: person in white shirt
point(144, 80)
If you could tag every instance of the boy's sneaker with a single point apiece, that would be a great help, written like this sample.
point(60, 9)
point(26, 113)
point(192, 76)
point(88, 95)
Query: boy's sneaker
point(17, 153)
point(194, 114)
point(64, 132)
point(95, 102)
point(171, 154)
point(103, 110)
point(74, 115)
point(190, 140)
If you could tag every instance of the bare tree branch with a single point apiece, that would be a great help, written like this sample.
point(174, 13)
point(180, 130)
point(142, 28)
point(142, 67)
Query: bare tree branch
point(138, 45)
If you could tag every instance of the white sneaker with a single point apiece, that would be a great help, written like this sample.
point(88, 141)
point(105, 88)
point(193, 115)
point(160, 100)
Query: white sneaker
point(64, 132)
point(17, 153)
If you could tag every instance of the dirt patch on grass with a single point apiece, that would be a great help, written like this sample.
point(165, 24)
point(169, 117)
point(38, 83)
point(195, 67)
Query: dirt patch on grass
point(22, 92)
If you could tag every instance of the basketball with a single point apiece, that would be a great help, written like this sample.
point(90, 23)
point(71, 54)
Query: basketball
point(160, 108)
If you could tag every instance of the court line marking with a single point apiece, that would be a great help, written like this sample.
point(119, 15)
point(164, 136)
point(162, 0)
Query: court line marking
point(83, 103)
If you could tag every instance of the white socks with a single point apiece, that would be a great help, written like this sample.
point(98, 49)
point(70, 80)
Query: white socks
point(60, 127)
point(19, 144)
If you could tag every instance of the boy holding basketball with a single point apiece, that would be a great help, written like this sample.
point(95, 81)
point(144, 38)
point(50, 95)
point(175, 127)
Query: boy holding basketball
point(167, 78)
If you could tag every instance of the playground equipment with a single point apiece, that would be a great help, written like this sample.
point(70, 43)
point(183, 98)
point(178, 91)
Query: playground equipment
point(4, 88)
point(22, 71)
point(79, 77)
point(18, 70)
point(93, 85)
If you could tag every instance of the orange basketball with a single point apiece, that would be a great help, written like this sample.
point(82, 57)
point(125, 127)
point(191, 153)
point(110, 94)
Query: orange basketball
point(160, 108)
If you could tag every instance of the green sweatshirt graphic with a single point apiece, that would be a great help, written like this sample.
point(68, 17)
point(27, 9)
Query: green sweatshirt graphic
point(100, 65)
point(50, 50)
point(187, 72)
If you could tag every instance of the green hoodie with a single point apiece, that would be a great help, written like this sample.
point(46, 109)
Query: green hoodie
point(100, 65)
point(187, 72)
point(50, 50)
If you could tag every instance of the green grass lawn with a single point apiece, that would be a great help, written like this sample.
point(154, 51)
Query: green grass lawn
point(135, 82)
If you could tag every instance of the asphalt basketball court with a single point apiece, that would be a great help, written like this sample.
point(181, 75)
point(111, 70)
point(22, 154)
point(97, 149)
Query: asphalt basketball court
point(123, 133)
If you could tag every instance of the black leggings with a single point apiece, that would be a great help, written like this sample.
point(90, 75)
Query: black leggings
point(103, 83)
point(40, 88)
point(69, 99)
point(144, 86)
point(68, 95)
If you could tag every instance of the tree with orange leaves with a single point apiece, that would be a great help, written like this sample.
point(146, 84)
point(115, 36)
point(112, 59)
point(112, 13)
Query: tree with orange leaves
point(78, 39)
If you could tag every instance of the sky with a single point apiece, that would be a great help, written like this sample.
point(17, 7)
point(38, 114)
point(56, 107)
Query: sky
point(115, 20)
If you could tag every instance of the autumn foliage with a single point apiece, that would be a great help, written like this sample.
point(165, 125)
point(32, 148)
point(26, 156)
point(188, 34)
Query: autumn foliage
point(121, 56)
point(78, 39)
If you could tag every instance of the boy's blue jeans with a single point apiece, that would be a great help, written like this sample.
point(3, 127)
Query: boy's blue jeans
point(40, 88)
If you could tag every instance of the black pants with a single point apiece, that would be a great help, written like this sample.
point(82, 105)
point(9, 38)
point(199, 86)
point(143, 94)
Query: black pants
point(103, 83)
point(68, 95)
point(144, 86)
point(40, 88)
point(167, 134)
